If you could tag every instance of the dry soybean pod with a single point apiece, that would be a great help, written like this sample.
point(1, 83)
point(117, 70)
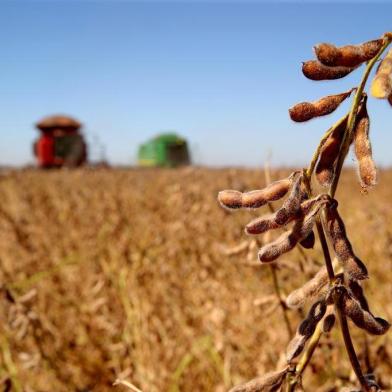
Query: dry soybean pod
point(316, 287)
point(363, 149)
point(262, 225)
point(307, 205)
point(232, 199)
point(270, 382)
point(305, 111)
point(329, 152)
point(349, 55)
point(295, 346)
point(281, 217)
point(382, 82)
point(314, 70)
point(329, 320)
point(315, 314)
point(288, 240)
point(356, 291)
point(305, 330)
point(352, 265)
point(309, 241)
point(360, 317)
point(290, 210)
point(292, 205)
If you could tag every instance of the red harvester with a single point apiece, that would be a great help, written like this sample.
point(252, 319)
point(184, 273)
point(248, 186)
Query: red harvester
point(61, 143)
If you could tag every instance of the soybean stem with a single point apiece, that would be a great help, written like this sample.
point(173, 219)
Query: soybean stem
point(282, 304)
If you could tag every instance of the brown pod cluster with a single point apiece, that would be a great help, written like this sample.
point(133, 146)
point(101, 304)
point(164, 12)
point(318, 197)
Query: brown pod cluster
point(315, 288)
point(329, 153)
point(352, 265)
point(361, 317)
point(293, 203)
point(305, 330)
point(270, 382)
point(382, 83)
point(315, 70)
point(232, 199)
point(363, 149)
point(290, 211)
point(349, 55)
point(281, 217)
point(287, 241)
point(305, 111)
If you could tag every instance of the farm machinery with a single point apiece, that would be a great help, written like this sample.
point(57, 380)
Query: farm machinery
point(165, 150)
point(61, 144)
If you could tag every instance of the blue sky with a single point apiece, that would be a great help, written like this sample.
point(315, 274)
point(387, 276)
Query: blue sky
point(223, 74)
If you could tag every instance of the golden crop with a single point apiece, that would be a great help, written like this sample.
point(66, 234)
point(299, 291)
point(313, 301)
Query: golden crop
point(137, 274)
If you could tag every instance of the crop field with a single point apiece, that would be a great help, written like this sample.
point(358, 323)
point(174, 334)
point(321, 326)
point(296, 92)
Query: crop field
point(140, 275)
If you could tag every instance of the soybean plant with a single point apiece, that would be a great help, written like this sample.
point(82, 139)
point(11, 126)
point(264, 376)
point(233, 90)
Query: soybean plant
point(335, 292)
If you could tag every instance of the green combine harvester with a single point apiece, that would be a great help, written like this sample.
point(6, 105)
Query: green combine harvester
point(165, 150)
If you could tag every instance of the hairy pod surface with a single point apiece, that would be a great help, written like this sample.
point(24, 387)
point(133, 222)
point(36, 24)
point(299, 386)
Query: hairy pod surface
point(232, 199)
point(315, 70)
point(262, 225)
point(305, 111)
point(270, 382)
point(349, 55)
point(295, 347)
point(363, 149)
point(290, 210)
point(307, 205)
point(352, 265)
point(315, 287)
point(288, 240)
point(292, 205)
point(284, 215)
point(382, 83)
point(361, 317)
point(329, 153)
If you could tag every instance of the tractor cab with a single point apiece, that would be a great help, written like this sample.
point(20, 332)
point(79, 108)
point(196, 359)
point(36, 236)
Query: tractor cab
point(61, 143)
point(165, 150)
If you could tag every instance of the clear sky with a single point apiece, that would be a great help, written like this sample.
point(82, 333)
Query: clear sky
point(223, 74)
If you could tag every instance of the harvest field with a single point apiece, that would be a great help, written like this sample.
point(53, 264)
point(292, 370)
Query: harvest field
point(140, 275)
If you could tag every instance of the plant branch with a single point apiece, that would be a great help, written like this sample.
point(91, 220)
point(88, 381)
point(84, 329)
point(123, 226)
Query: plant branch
point(282, 304)
point(352, 115)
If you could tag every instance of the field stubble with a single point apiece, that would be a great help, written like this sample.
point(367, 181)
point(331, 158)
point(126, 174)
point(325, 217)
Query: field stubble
point(138, 274)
